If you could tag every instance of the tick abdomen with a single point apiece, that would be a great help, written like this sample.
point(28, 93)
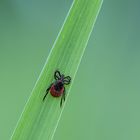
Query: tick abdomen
point(55, 92)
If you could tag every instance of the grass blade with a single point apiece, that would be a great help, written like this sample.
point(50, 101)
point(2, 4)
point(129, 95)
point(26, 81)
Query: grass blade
point(39, 119)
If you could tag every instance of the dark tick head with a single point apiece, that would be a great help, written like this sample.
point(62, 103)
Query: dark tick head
point(58, 85)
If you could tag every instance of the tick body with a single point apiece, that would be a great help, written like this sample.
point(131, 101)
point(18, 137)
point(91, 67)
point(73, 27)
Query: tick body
point(57, 88)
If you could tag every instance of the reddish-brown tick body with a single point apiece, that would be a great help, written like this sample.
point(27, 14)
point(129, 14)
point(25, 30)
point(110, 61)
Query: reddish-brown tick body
point(57, 89)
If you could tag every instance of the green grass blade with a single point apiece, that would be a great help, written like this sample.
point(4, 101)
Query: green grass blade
point(40, 119)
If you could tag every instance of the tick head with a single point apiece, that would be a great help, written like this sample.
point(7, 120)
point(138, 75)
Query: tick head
point(58, 85)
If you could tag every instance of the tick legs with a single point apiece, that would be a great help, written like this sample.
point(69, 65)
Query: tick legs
point(57, 75)
point(47, 92)
point(63, 97)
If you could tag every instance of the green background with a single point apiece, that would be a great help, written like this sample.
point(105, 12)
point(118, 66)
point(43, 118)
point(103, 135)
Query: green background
point(104, 103)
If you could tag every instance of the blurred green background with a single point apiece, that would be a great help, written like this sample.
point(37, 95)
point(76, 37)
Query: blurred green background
point(104, 103)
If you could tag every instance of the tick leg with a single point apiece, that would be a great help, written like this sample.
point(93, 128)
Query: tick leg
point(67, 80)
point(47, 92)
point(57, 75)
point(61, 101)
point(64, 94)
point(63, 97)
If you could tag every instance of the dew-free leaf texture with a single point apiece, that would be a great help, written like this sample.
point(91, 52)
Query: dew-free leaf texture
point(39, 119)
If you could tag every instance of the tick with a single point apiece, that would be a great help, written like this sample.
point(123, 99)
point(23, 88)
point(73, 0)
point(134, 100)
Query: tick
point(57, 88)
